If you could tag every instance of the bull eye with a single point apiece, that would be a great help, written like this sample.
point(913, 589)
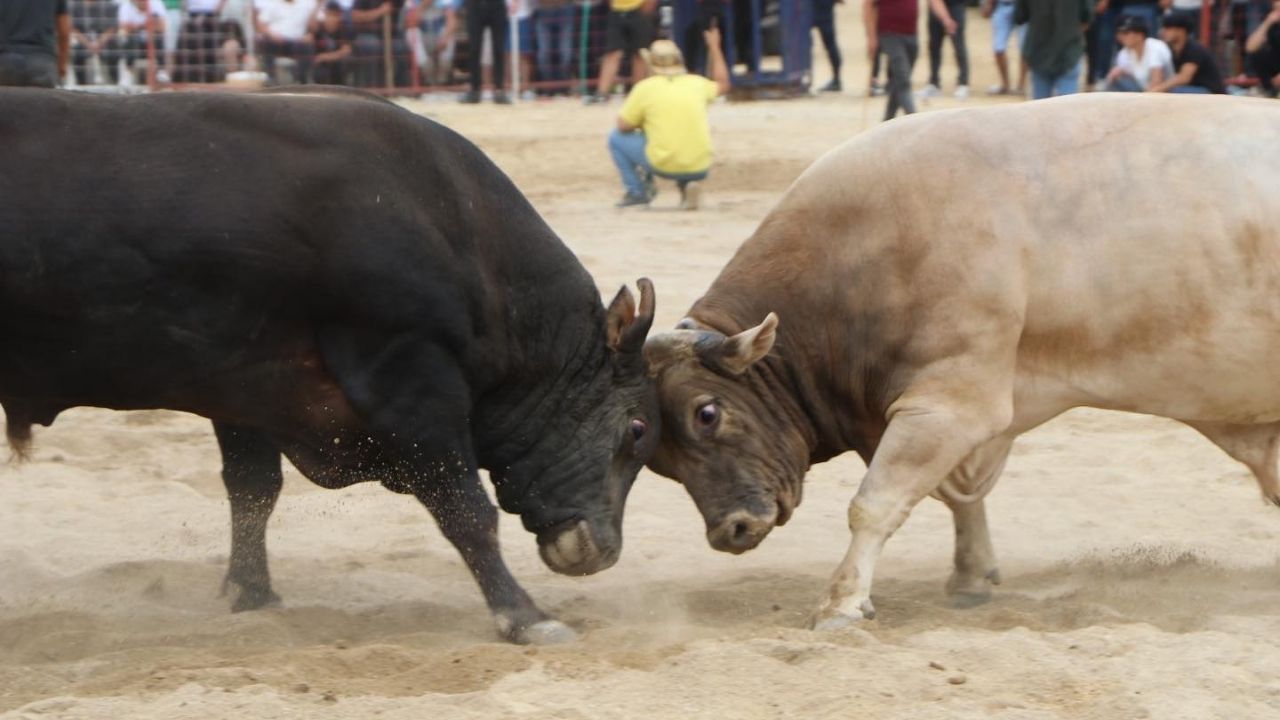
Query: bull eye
point(638, 429)
point(708, 415)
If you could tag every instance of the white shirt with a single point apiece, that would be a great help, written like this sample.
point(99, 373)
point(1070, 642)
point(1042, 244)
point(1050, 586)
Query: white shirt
point(1155, 54)
point(289, 20)
point(129, 14)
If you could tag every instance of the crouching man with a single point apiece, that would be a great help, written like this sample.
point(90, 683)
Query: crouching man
point(662, 127)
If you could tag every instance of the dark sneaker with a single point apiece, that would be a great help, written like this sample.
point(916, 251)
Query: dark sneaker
point(833, 86)
point(650, 187)
point(500, 98)
point(594, 99)
point(630, 200)
point(471, 97)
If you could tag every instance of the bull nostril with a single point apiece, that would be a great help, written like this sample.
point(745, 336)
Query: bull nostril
point(741, 532)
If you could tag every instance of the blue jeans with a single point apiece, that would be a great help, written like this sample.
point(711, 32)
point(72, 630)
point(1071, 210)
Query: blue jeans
point(1190, 90)
point(1045, 86)
point(560, 22)
point(1124, 83)
point(627, 150)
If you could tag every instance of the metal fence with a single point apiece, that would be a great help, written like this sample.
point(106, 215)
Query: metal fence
point(407, 46)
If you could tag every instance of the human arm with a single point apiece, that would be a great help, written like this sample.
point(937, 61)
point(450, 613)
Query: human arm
point(719, 68)
point(364, 16)
point(1258, 38)
point(344, 51)
point(1180, 78)
point(939, 10)
point(987, 8)
point(870, 17)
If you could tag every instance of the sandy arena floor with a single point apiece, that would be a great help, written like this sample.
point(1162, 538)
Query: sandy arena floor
point(1141, 568)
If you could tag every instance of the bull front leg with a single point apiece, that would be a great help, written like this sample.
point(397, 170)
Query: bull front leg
point(470, 522)
point(924, 441)
point(251, 472)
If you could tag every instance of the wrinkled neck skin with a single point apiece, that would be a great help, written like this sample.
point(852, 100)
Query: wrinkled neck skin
point(815, 375)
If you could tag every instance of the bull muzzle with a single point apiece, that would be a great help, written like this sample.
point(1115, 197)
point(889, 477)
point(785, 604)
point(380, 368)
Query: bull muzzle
point(578, 549)
point(741, 530)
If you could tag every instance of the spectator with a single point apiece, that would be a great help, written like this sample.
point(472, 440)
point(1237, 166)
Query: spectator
point(332, 47)
point(488, 15)
point(1108, 14)
point(91, 20)
point(368, 18)
point(126, 42)
point(284, 29)
point(199, 42)
point(555, 56)
point(172, 29)
point(662, 127)
point(432, 28)
point(1001, 14)
point(711, 13)
point(1194, 70)
point(628, 28)
point(891, 29)
point(1054, 44)
point(1142, 61)
point(1263, 47)
point(35, 42)
point(824, 19)
point(523, 13)
point(937, 33)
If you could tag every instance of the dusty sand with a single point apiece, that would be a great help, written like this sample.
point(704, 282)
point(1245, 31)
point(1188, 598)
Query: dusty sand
point(1142, 571)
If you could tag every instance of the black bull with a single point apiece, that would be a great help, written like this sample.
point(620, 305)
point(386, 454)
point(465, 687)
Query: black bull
point(332, 279)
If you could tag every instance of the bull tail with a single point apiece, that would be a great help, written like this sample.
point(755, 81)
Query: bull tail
point(18, 431)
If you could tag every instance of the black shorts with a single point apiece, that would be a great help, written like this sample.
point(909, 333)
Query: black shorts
point(628, 31)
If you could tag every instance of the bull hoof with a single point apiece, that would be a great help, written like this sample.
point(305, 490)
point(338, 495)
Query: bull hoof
point(827, 619)
point(546, 632)
point(254, 598)
point(969, 591)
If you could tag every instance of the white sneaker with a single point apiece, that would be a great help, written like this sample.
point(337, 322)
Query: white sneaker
point(162, 76)
point(962, 92)
point(692, 195)
point(929, 91)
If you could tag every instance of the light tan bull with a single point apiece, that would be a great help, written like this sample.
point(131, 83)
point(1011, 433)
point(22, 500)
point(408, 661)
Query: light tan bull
point(949, 281)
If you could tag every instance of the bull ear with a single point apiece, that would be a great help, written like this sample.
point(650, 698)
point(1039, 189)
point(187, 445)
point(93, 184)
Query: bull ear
point(743, 350)
point(626, 327)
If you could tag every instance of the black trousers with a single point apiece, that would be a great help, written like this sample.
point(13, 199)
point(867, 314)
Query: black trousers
point(936, 35)
point(19, 69)
point(824, 19)
point(483, 14)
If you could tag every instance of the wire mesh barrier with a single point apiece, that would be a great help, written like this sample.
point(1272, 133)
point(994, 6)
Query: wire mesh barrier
point(543, 47)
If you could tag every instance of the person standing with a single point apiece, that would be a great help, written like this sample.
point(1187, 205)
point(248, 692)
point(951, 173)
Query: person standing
point(663, 128)
point(35, 42)
point(1001, 14)
point(824, 20)
point(891, 29)
point(488, 15)
point(1054, 44)
point(628, 28)
point(938, 33)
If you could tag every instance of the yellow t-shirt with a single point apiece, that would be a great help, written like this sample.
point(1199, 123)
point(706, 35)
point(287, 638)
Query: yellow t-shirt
point(625, 5)
point(672, 111)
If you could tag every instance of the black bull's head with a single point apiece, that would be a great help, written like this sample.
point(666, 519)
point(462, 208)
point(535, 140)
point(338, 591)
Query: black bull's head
point(570, 486)
point(724, 436)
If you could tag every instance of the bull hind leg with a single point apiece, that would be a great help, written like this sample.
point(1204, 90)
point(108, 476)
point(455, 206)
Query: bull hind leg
point(251, 471)
point(963, 491)
point(1257, 446)
point(17, 430)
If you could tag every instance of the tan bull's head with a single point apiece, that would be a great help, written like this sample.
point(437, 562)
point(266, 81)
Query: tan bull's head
point(726, 434)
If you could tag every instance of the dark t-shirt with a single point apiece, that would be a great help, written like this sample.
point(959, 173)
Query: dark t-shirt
point(27, 25)
point(329, 41)
point(897, 16)
point(1207, 75)
point(375, 27)
point(92, 17)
